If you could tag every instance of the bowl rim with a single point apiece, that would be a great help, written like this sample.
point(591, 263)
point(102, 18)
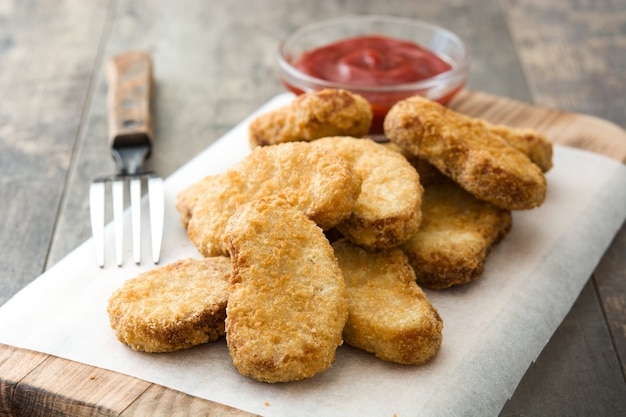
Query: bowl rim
point(458, 71)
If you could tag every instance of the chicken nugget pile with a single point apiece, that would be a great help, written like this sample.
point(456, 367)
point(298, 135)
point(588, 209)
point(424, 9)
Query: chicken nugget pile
point(322, 236)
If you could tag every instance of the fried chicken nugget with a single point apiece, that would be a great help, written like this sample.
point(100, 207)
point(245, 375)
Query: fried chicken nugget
point(172, 307)
point(186, 199)
point(388, 313)
point(387, 211)
point(320, 183)
point(311, 116)
point(477, 159)
point(531, 143)
point(287, 307)
point(426, 171)
point(456, 236)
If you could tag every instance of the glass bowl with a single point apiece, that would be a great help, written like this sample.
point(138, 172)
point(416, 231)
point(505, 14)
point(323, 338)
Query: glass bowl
point(444, 44)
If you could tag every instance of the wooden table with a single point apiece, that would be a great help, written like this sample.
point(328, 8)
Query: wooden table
point(214, 66)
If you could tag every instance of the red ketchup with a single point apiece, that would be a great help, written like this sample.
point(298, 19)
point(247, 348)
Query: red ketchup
point(370, 61)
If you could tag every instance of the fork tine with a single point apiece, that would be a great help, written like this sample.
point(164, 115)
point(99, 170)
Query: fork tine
point(96, 210)
point(157, 215)
point(135, 205)
point(118, 219)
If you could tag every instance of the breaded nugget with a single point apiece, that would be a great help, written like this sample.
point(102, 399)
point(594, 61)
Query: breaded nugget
point(287, 307)
point(172, 307)
point(457, 234)
point(321, 184)
point(426, 171)
point(186, 199)
point(536, 146)
point(311, 116)
point(388, 313)
point(387, 211)
point(531, 143)
point(477, 159)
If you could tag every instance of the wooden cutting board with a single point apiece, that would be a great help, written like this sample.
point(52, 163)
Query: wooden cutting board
point(36, 384)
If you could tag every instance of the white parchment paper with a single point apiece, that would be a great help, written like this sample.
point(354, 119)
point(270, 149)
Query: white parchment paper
point(493, 328)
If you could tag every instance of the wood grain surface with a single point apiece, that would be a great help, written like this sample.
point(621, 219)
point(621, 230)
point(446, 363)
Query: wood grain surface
point(214, 65)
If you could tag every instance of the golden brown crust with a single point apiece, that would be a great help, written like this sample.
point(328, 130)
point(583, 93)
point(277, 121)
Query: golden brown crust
point(311, 116)
point(387, 211)
point(536, 146)
point(456, 236)
point(533, 144)
point(321, 184)
point(426, 171)
point(388, 314)
point(477, 159)
point(288, 307)
point(186, 199)
point(172, 307)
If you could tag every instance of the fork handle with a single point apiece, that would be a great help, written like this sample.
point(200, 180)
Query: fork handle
point(129, 76)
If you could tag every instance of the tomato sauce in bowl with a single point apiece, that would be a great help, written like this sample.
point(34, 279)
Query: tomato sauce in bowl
point(384, 59)
point(371, 60)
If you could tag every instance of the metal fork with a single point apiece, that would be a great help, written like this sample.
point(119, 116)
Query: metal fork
point(130, 82)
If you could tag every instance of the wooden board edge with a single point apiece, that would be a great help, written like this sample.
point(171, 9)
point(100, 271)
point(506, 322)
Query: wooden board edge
point(158, 400)
point(15, 365)
point(36, 384)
